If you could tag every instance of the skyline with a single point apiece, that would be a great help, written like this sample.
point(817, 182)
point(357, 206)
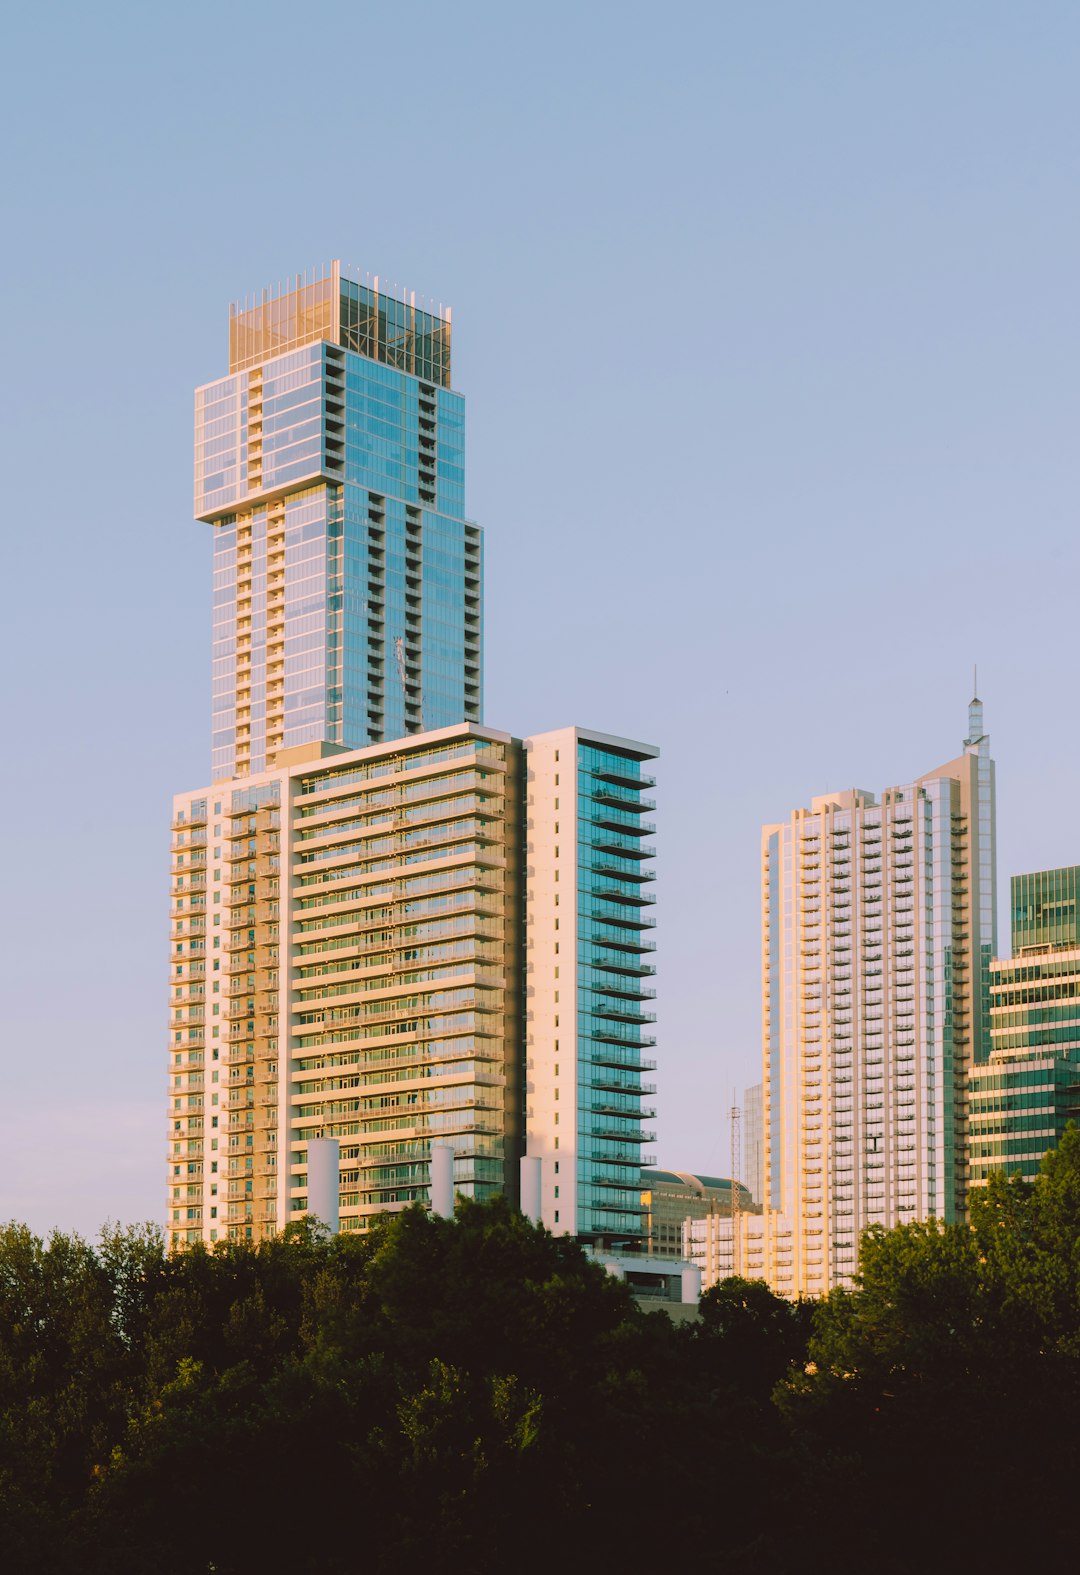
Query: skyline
point(772, 535)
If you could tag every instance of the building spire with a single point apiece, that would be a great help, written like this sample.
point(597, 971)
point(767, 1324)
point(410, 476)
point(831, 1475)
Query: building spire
point(976, 733)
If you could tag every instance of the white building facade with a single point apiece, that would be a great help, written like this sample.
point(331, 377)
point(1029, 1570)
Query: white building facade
point(878, 927)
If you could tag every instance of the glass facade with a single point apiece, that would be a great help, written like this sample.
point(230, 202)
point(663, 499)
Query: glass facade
point(1044, 911)
point(347, 582)
point(1020, 1101)
point(614, 917)
point(405, 997)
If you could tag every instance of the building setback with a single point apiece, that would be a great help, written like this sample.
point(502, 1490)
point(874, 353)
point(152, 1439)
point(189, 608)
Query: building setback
point(391, 926)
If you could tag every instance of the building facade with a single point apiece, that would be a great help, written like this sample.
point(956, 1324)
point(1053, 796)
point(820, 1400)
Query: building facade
point(753, 1141)
point(671, 1197)
point(878, 929)
point(391, 926)
point(588, 1031)
point(1021, 1099)
point(347, 582)
point(355, 939)
point(759, 1246)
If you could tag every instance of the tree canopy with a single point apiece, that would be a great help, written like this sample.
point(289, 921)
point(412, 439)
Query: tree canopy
point(470, 1394)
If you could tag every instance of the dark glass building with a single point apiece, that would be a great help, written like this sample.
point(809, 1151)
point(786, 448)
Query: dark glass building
point(1020, 1101)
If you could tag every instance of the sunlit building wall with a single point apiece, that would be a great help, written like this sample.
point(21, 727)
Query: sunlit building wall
point(753, 1141)
point(589, 992)
point(347, 581)
point(877, 935)
point(355, 949)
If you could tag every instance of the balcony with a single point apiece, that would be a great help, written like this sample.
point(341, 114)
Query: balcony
point(625, 821)
point(627, 776)
point(608, 1053)
point(617, 1013)
point(620, 798)
point(618, 1085)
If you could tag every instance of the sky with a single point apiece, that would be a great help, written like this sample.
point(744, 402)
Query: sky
point(766, 319)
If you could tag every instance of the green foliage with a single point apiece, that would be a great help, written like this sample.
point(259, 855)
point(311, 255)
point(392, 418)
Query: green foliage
point(954, 1361)
point(757, 1334)
point(473, 1394)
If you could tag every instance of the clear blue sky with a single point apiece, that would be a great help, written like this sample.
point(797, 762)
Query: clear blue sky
point(766, 316)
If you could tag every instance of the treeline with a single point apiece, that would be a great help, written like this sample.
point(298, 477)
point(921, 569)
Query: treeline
point(477, 1395)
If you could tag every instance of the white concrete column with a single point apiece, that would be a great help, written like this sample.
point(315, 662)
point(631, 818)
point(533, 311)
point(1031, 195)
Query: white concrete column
point(531, 1193)
point(691, 1284)
point(324, 1180)
point(442, 1180)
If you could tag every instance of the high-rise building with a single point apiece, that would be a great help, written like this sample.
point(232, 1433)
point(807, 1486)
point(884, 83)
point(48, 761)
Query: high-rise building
point(1020, 1101)
point(878, 929)
point(347, 964)
point(347, 581)
point(588, 924)
point(391, 926)
point(385, 946)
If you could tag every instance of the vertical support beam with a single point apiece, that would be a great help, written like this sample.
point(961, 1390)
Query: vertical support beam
point(531, 1187)
point(442, 1180)
point(324, 1173)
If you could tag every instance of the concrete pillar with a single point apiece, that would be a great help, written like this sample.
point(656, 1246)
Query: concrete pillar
point(691, 1284)
point(442, 1180)
point(531, 1194)
point(324, 1180)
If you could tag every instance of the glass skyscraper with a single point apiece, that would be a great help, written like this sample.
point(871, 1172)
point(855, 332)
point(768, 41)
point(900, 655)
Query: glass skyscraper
point(1020, 1101)
point(347, 582)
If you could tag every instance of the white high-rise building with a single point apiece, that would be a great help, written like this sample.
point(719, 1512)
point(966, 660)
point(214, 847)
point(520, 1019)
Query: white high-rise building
point(878, 927)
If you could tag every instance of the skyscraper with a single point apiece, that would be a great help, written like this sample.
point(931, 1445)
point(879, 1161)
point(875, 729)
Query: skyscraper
point(352, 970)
point(588, 923)
point(347, 581)
point(391, 926)
point(1021, 1099)
point(878, 929)
point(385, 946)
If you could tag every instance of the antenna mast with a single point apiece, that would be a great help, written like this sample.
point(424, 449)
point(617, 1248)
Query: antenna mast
point(736, 1199)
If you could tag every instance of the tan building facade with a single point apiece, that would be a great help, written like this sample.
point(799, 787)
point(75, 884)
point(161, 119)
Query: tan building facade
point(878, 927)
point(356, 954)
point(346, 965)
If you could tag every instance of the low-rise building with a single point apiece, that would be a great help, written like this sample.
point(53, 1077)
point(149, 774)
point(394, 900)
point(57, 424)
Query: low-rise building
point(670, 1197)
